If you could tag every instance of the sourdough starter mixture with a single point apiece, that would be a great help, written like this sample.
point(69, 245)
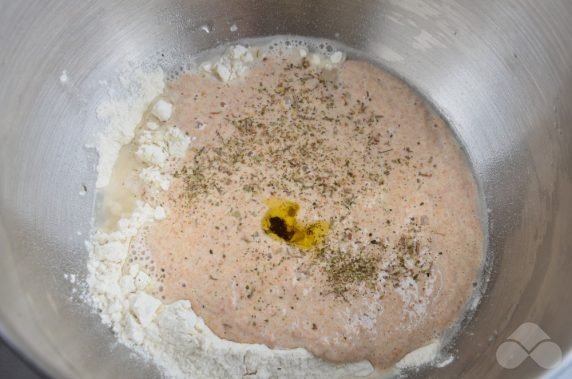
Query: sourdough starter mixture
point(311, 202)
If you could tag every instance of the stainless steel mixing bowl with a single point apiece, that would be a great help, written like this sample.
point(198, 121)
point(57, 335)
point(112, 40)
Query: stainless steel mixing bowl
point(499, 70)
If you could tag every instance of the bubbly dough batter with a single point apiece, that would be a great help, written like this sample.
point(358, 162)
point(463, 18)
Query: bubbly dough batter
point(353, 147)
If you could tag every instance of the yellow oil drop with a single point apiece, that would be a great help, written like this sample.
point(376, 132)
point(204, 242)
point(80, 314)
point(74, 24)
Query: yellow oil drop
point(280, 223)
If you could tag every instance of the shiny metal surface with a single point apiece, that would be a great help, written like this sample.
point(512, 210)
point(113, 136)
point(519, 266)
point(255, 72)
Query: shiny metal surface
point(500, 71)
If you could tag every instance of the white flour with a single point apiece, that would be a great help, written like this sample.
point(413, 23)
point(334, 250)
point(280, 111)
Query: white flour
point(172, 335)
point(122, 115)
point(423, 355)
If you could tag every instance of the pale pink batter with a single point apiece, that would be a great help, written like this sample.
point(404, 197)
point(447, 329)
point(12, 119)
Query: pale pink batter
point(354, 146)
